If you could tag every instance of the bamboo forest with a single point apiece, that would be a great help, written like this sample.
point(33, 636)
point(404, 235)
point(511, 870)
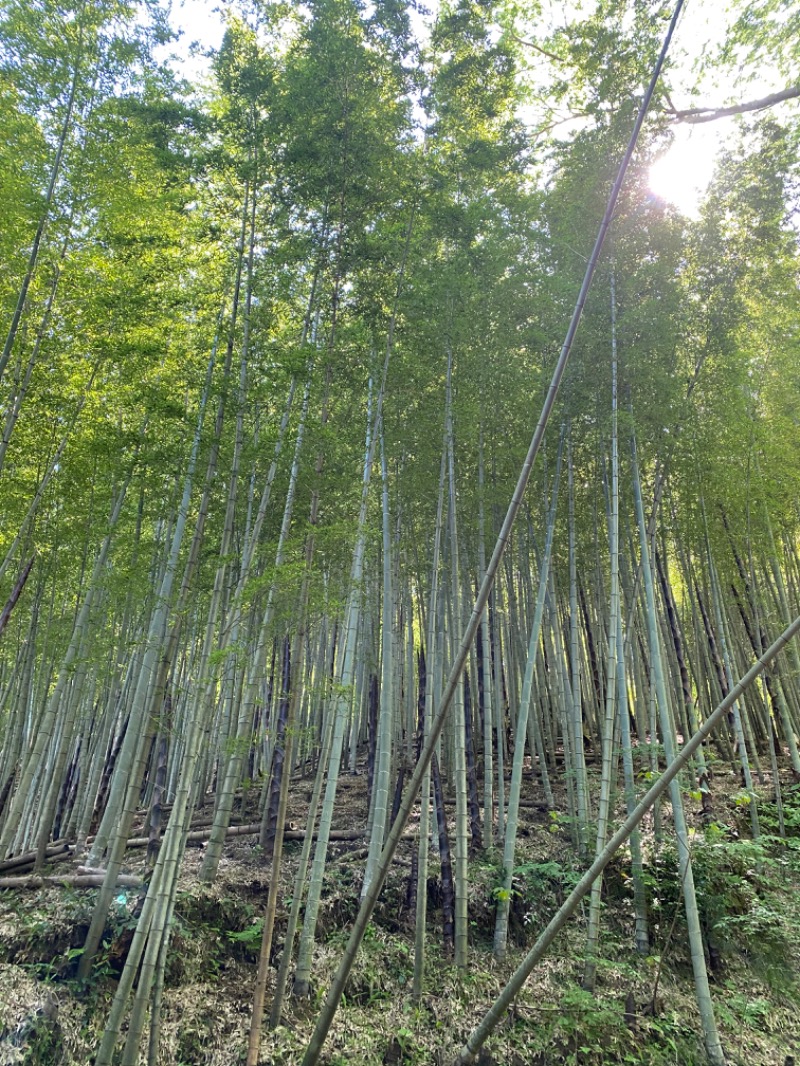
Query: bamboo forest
point(399, 533)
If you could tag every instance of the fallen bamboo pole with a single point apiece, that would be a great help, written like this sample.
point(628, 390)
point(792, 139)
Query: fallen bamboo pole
point(61, 849)
point(28, 858)
point(93, 880)
point(252, 830)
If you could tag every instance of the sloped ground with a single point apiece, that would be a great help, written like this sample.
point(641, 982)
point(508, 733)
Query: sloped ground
point(642, 1011)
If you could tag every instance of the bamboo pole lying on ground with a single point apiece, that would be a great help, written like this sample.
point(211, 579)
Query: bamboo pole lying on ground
point(253, 830)
point(63, 850)
point(28, 858)
point(92, 880)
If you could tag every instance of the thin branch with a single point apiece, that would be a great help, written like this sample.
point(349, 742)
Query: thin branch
point(711, 114)
point(536, 48)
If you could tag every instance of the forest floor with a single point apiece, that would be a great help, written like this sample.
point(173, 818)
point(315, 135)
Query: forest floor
point(642, 1010)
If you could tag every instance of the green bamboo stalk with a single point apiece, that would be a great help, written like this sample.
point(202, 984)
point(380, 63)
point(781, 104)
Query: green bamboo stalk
point(430, 699)
point(711, 1039)
point(510, 839)
point(609, 755)
point(380, 788)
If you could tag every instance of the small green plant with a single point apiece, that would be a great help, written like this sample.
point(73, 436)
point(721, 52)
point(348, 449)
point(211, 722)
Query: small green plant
point(737, 1009)
point(544, 882)
point(768, 813)
point(250, 936)
point(582, 1029)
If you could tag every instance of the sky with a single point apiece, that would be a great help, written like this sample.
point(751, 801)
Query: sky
point(680, 176)
point(684, 172)
point(200, 22)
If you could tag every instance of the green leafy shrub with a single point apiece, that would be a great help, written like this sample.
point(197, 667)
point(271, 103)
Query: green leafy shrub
point(741, 897)
point(768, 813)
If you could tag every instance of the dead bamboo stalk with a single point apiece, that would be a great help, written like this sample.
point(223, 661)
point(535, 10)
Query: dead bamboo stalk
point(252, 830)
point(57, 849)
point(93, 880)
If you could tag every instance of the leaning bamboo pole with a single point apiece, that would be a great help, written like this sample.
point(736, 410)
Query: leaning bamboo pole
point(336, 990)
point(496, 1012)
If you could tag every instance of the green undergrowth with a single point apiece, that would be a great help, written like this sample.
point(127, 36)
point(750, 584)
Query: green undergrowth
point(642, 1009)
